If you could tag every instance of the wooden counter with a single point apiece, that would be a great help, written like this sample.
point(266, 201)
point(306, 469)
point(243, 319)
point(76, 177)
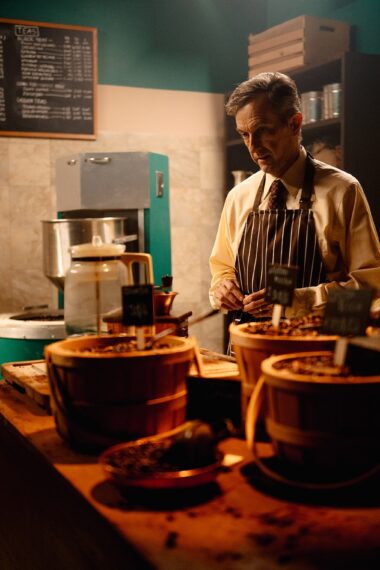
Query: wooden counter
point(59, 512)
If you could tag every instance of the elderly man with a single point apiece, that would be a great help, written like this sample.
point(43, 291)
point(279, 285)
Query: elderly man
point(294, 211)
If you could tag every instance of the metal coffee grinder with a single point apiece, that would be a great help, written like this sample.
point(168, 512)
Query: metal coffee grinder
point(126, 190)
point(121, 197)
point(131, 186)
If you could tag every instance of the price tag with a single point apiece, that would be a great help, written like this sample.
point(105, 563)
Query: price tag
point(138, 305)
point(347, 312)
point(281, 282)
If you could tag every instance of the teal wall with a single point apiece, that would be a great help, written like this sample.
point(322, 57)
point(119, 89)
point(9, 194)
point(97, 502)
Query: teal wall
point(189, 45)
point(363, 15)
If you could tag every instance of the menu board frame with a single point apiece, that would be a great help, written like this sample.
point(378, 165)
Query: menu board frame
point(91, 125)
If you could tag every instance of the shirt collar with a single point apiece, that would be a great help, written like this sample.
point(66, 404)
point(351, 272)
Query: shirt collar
point(293, 177)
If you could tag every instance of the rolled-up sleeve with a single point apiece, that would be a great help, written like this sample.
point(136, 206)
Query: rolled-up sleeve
point(349, 246)
point(222, 259)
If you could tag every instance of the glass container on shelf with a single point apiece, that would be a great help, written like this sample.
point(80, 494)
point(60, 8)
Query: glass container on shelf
point(332, 100)
point(312, 103)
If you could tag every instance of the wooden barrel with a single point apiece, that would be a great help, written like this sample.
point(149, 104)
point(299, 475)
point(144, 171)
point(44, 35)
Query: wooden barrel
point(326, 426)
point(104, 392)
point(251, 349)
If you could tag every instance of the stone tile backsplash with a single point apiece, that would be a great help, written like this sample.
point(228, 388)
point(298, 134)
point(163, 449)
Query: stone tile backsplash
point(27, 194)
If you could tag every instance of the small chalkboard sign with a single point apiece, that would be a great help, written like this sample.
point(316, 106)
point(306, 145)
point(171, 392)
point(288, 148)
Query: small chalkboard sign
point(281, 282)
point(48, 75)
point(347, 312)
point(138, 305)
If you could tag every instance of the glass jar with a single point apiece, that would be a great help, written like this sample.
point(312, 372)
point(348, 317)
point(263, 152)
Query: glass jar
point(93, 286)
point(332, 100)
point(312, 106)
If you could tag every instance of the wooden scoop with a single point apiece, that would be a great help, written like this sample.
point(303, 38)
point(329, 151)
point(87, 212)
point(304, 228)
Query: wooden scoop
point(172, 330)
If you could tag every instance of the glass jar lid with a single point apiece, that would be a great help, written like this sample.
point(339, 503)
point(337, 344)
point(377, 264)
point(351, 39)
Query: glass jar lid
point(96, 250)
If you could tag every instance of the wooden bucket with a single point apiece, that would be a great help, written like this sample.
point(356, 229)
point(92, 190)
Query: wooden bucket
point(324, 427)
point(102, 398)
point(251, 349)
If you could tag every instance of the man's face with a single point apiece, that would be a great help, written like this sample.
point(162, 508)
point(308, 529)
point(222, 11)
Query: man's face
point(272, 144)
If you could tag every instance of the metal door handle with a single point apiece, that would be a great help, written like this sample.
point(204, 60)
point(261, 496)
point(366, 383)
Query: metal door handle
point(125, 239)
point(99, 159)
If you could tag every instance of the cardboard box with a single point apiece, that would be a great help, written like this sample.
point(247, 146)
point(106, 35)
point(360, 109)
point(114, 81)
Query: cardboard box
point(305, 40)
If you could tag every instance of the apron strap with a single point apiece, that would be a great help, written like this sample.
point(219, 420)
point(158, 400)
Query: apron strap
point(307, 188)
point(259, 195)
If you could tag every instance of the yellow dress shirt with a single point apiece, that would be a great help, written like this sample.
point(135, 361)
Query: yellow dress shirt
point(346, 233)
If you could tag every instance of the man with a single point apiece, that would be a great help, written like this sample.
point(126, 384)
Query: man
point(314, 216)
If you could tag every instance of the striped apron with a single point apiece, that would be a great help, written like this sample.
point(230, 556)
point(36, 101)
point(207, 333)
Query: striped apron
point(281, 236)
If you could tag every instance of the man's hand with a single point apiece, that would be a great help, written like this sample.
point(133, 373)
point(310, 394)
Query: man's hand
point(227, 295)
point(256, 305)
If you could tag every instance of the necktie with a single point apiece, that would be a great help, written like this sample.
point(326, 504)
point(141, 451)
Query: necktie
point(277, 193)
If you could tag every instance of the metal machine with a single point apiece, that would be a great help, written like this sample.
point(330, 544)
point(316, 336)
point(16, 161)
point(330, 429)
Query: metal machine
point(131, 185)
point(121, 196)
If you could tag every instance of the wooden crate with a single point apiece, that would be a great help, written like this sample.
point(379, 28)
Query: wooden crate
point(305, 40)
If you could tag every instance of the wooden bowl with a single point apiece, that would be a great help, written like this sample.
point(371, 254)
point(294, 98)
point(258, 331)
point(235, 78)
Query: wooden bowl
point(134, 419)
point(101, 396)
point(157, 479)
point(251, 349)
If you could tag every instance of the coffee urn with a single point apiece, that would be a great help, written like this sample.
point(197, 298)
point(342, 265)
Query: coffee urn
point(133, 186)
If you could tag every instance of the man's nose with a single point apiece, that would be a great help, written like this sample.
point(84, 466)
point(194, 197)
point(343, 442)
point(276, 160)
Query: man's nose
point(253, 141)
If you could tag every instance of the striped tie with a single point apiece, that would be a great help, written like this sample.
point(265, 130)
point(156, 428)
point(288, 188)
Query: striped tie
point(277, 195)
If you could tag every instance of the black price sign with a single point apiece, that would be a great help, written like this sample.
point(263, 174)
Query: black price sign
point(138, 305)
point(347, 312)
point(281, 282)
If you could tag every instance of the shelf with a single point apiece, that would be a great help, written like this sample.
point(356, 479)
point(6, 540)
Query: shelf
point(354, 131)
point(327, 130)
point(319, 125)
point(313, 77)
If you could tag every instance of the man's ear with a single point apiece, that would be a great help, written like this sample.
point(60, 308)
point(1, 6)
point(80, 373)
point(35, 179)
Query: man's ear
point(295, 123)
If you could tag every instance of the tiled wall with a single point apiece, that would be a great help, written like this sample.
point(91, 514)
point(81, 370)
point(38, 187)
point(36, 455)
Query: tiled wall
point(27, 196)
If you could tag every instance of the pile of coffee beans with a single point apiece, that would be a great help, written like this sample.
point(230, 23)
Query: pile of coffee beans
point(127, 346)
point(159, 457)
point(144, 459)
point(322, 365)
point(119, 348)
point(305, 326)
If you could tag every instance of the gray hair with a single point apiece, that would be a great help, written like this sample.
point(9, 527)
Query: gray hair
point(281, 90)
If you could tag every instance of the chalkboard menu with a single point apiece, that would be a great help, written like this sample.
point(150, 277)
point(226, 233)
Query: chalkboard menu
point(47, 80)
